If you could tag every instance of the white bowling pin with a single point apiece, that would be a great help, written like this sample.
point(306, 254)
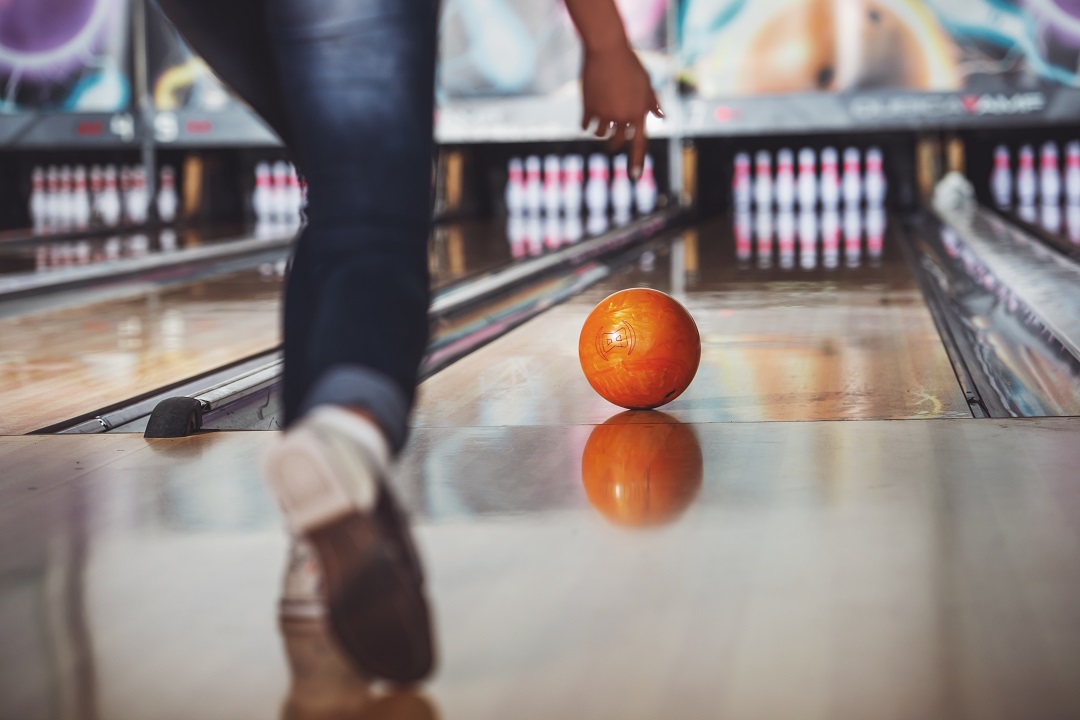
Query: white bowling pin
point(66, 206)
point(1001, 178)
point(1027, 212)
point(622, 194)
point(552, 184)
point(830, 178)
point(785, 238)
point(573, 185)
point(740, 181)
point(97, 190)
point(808, 239)
point(1025, 176)
point(261, 198)
point(1072, 173)
point(874, 185)
point(645, 188)
point(830, 238)
point(573, 229)
point(763, 186)
point(534, 232)
point(279, 194)
point(785, 179)
point(852, 236)
point(167, 199)
point(1049, 174)
point(534, 186)
point(597, 223)
point(139, 208)
point(80, 198)
point(807, 179)
point(552, 231)
point(596, 189)
point(38, 198)
point(516, 235)
point(1050, 218)
point(110, 205)
point(294, 196)
point(875, 231)
point(515, 186)
point(744, 241)
point(52, 197)
point(852, 177)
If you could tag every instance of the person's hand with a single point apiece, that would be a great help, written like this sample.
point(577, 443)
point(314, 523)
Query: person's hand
point(617, 95)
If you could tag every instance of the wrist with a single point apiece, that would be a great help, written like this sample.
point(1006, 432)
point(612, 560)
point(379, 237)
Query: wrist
point(605, 43)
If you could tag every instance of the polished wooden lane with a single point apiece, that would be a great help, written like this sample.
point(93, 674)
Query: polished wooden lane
point(884, 569)
point(63, 362)
point(853, 343)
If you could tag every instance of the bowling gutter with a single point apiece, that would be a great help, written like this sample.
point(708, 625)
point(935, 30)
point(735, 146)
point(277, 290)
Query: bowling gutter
point(238, 385)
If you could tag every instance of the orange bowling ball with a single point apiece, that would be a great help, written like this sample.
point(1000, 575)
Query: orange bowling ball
point(641, 468)
point(639, 348)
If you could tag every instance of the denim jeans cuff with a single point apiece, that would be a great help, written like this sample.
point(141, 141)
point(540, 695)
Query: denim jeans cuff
point(365, 388)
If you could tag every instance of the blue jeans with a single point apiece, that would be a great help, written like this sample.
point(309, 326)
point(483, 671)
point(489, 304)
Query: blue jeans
point(349, 87)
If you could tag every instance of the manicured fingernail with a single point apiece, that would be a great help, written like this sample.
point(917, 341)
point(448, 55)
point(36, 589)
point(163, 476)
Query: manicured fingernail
point(635, 172)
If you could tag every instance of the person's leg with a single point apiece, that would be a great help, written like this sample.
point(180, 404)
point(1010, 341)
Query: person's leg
point(357, 77)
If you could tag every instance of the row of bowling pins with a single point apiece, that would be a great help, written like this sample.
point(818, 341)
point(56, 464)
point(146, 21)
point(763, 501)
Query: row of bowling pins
point(562, 187)
point(1050, 217)
point(280, 195)
point(531, 234)
point(1046, 185)
point(69, 198)
point(810, 230)
point(807, 186)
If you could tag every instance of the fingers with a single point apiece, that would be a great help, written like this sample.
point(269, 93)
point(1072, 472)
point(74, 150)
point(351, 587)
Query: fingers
point(603, 128)
point(618, 138)
point(654, 107)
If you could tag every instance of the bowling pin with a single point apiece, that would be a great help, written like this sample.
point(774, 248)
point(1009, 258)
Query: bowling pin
point(166, 199)
point(1025, 176)
point(110, 204)
point(645, 189)
point(1049, 174)
point(596, 223)
point(875, 231)
point(38, 199)
point(807, 179)
point(1001, 178)
point(552, 231)
point(1027, 212)
point(261, 200)
point(763, 187)
point(279, 192)
point(573, 183)
point(534, 232)
point(80, 198)
point(573, 229)
point(66, 206)
point(516, 235)
point(52, 197)
point(622, 193)
point(740, 181)
point(139, 199)
point(1072, 173)
point(294, 195)
point(534, 187)
point(852, 178)
point(743, 239)
point(808, 239)
point(515, 186)
point(830, 178)
point(785, 179)
point(852, 236)
point(596, 189)
point(552, 184)
point(97, 189)
point(874, 186)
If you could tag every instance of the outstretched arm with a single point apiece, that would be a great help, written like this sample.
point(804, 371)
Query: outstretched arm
point(615, 88)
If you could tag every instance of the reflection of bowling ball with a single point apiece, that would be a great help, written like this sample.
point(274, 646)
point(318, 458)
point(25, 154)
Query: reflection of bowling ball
point(639, 348)
point(641, 468)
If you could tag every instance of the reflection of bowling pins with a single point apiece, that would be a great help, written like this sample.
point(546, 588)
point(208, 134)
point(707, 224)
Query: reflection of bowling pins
point(573, 229)
point(740, 181)
point(830, 178)
point(785, 179)
point(534, 234)
point(596, 189)
point(516, 235)
point(620, 218)
point(852, 236)
point(645, 188)
point(830, 238)
point(1049, 175)
point(743, 240)
point(515, 186)
point(573, 180)
point(875, 231)
point(874, 185)
point(534, 188)
point(596, 224)
point(1072, 173)
point(622, 194)
point(552, 184)
point(785, 238)
point(1072, 222)
point(763, 179)
point(552, 231)
point(808, 239)
point(1001, 178)
point(1050, 218)
point(852, 178)
point(763, 231)
point(1025, 176)
point(1027, 212)
point(807, 180)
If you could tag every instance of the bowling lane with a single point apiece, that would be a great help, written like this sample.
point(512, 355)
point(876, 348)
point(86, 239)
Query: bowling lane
point(826, 326)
